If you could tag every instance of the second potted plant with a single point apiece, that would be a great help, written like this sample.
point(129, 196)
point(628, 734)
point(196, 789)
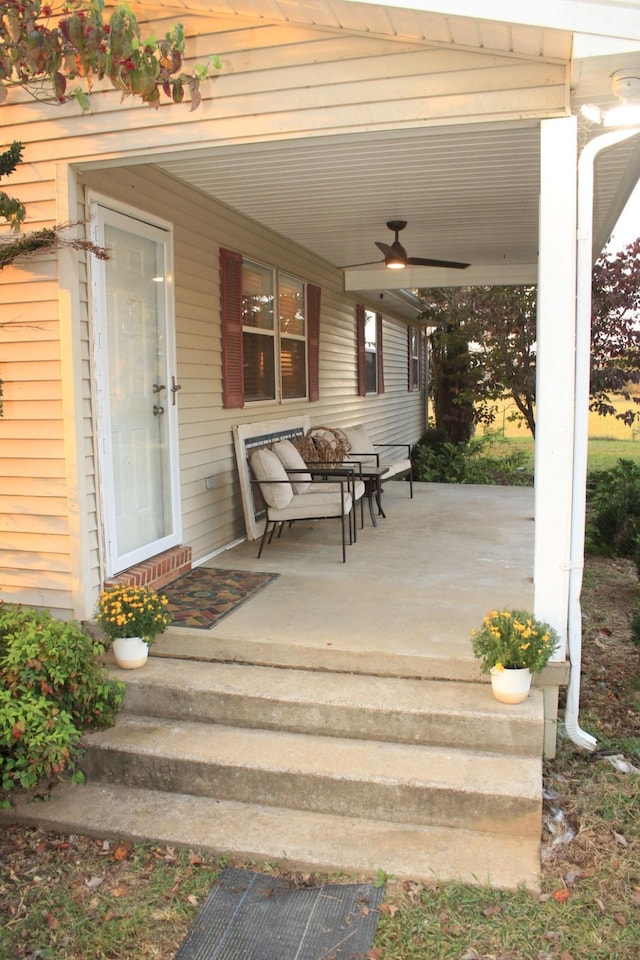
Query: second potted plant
point(511, 645)
point(131, 617)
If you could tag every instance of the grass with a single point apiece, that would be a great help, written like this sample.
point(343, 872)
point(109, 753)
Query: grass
point(77, 898)
point(603, 453)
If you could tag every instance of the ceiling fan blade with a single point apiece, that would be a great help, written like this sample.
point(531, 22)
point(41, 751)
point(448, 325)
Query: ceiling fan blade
point(424, 262)
point(369, 263)
point(385, 249)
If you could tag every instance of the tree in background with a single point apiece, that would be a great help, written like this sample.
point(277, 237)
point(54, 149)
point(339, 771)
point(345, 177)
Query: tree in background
point(615, 331)
point(487, 336)
point(44, 50)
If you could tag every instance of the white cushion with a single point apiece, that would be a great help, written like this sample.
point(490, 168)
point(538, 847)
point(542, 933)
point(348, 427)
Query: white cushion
point(393, 469)
point(292, 460)
point(361, 443)
point(267, 467)
point(304, 506)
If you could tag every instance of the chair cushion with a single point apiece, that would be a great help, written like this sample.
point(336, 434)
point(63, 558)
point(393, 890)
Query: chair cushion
point(292, 460)
point(361, 443)
point(267, 467)
point(393, 469)
point(307, 506)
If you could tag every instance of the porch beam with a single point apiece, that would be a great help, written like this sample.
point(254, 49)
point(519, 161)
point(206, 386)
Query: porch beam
point(412, 278)
point(555, 378)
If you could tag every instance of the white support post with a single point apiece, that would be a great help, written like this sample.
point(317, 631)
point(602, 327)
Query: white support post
point(555, 382)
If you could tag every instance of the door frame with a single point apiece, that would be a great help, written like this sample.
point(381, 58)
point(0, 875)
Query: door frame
point(150, 225)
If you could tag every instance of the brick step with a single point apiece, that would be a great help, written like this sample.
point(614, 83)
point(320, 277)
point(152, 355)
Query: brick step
point(441, 713)
point(296, 839)
point(407, 783)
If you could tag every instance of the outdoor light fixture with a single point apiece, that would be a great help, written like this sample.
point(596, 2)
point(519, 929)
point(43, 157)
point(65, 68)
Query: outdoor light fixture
point(395, 262)
point(625, 83)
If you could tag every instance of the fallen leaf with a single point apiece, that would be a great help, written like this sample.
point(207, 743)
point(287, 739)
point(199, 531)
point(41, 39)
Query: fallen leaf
point(621, 839)
point(565, 955)
point(600, 905)
point(389, 909)
point(491, 910)
point(552, 935)
point(375, 954)
point(121, 853)
point(620, 919)
point(94, 882)
point(110, 915)
point(635, 899)
point(119, 891)
point(561, 895)
point(50, 920)
point(192, 900)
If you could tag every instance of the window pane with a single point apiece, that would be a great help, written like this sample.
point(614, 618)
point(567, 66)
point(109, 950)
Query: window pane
point(259, 373)
point(291, 294)
point(257, 296)
point(371, 372)
point(294, 368)
point(370, 331)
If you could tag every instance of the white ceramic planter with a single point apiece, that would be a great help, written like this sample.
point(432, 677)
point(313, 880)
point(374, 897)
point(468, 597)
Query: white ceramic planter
point(511, 686)
point(130, 652)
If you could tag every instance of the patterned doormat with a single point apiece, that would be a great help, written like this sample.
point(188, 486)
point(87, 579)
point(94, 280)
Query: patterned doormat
point(201, 598)
point(252, 916)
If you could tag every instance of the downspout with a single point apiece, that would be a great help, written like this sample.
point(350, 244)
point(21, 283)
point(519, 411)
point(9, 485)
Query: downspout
point(584, 266)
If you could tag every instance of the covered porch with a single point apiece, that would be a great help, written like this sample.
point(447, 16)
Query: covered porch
point(403, 604)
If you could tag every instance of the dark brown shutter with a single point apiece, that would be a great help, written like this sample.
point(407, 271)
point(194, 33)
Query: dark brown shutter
point(379, 353)
point(313, 340)
point(362, 375)
point(231, 284)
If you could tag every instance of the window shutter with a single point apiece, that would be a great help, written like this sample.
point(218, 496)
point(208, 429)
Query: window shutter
point(422, 365)
point(362, 379)
point(379, 353)
point(313, 340)
point(231, 283)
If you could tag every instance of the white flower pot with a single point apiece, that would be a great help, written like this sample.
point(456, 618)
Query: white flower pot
point(130, 652)
point(511, 686)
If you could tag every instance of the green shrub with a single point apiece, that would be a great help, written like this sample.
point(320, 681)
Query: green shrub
point(613, 510)
point(436, 460)
point(52, 687)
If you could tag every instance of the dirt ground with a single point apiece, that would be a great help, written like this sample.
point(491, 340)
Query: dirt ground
point(580, 837)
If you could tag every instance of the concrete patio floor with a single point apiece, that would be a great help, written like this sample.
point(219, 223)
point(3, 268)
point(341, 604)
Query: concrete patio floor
point(404, 602)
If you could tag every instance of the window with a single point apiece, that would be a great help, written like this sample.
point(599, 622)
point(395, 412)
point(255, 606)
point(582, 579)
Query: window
point(270, 333)
point(369, 351)
point(415, 344)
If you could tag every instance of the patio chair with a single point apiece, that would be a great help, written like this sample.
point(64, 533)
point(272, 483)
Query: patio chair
point(283, 505)
point(302, 479)
point(363, 450)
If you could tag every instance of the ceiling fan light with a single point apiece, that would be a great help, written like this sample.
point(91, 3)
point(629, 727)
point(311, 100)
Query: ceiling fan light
point(395, 264)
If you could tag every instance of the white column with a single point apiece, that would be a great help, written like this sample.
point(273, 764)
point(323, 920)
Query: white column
point(555, 372)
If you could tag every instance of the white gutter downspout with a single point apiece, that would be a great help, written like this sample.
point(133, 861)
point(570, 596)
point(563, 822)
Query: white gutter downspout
point(584, 266)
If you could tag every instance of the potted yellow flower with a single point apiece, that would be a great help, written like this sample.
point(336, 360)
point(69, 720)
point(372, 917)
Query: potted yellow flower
point(131, 617)
point(511, 645)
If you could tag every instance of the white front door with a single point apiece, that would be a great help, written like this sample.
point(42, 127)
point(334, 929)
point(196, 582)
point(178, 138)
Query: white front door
point(137, 396)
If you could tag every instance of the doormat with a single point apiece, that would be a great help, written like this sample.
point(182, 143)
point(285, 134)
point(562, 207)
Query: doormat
point(202, 597)
point(251, 916)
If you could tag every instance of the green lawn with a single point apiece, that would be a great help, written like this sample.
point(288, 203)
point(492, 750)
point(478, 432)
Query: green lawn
point(603, 452)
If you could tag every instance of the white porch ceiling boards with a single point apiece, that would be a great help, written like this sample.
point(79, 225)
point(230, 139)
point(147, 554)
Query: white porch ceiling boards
point(424, 147)
point(468, 193)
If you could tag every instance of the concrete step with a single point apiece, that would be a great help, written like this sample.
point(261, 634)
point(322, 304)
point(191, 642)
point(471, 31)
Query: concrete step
point(406, 783)
point(297, 839)
point(440, 713)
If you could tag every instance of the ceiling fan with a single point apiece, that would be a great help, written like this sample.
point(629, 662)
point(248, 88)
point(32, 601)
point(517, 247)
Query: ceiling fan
point(395, 255)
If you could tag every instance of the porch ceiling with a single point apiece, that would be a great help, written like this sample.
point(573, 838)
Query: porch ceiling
point(469, 191)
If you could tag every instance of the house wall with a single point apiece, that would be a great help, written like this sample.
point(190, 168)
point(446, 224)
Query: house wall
point(278, 81)
point(213, 518)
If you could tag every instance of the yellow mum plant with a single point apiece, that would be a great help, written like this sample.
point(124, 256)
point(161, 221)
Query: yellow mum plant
point(128, 611)
point(513, 639)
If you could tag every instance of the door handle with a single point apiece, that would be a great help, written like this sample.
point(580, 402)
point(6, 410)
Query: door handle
point(157, 411)
point(158, 387)
point(174, 389)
